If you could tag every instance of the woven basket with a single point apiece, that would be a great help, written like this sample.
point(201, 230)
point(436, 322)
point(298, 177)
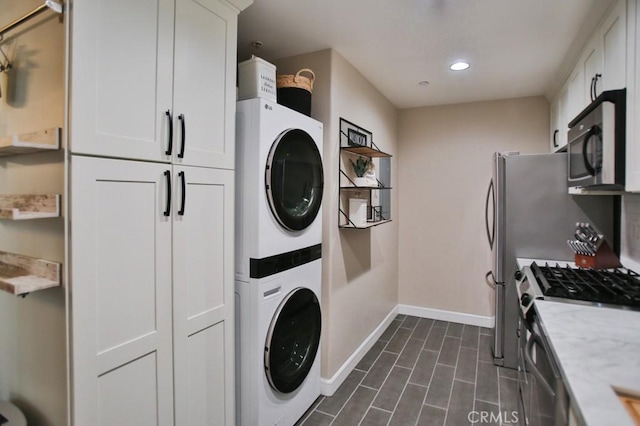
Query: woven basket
point(298, 81)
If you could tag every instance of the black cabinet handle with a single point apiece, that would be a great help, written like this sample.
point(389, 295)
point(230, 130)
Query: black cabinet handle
point(591, 88)
point(184, 137)
point(595, 86)
point(555, 138)
point(184, 193)
point(170, 144)
point(167, 175)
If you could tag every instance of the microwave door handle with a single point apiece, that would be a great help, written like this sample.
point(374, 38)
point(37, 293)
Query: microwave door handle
point(532, 366)
point(490, 233)
point(593, 131)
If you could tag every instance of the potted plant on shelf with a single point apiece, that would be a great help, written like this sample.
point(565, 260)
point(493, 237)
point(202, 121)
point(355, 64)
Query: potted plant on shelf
point(364, 170)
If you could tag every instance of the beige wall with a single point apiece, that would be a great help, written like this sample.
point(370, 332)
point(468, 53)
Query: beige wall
point(32, 330)
point(360, 267)
point(444, 171)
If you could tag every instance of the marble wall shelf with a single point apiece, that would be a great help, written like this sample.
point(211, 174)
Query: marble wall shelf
point(23, 207)
point(26, 143)
point(23, 274)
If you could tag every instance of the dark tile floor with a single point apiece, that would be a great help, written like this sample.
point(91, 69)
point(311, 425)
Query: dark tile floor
point(423, 372)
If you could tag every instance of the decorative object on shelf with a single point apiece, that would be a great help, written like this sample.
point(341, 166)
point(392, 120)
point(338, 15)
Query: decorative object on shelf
point(294, 91)
point(360, 188)
point(358, 211)
point(23, 207)
point(256, 79)
point(26, 143)
point(20, 274)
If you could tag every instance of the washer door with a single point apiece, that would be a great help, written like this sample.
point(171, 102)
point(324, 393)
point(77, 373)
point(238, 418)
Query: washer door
point(294, 179)
point(293, 340)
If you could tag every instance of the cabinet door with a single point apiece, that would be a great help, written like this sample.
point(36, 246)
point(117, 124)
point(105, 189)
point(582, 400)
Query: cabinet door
point(614, 33)
point(121, 77)
point(577, 98)
point(121, 342)
point(203, 230)
point(204, 83)
point(592, 62)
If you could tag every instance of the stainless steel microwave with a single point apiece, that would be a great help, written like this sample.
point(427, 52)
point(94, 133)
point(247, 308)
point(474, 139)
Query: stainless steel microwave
point(596, 148)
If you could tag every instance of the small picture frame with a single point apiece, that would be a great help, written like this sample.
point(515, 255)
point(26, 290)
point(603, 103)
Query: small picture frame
point(356, 138)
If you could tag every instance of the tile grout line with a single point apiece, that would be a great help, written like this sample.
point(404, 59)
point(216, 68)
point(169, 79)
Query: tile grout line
point(412, 370)
point(475, 388)
point(453, 379)
point(363, 377)
point(432, 374)
point(387, 377)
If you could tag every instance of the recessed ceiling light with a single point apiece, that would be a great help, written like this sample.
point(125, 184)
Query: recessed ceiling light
point(459, 66)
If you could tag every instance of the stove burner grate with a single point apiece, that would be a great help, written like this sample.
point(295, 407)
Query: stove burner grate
point(609, 286)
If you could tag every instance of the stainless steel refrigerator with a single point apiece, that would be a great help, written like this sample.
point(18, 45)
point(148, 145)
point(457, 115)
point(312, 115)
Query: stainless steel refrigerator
point(530, 214)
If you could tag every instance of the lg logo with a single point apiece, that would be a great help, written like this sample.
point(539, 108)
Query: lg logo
point(269, 107)
point(489, 417)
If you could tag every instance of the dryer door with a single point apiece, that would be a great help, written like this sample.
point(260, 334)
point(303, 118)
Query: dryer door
point(294, 179)
point(293, 340)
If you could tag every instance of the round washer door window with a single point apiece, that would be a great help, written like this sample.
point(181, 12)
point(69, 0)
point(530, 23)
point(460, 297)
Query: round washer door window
point(294, 179)
point(293, 340)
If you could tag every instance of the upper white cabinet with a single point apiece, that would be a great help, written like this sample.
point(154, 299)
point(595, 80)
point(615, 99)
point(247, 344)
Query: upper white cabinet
point(558, 119)
point(154, 80)
point(601, 66)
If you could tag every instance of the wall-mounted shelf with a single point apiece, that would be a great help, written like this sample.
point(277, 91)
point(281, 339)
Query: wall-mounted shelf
point(365, 226)
point(364, 203)
point(25, 207)
point(20, 275)
point(27, 143)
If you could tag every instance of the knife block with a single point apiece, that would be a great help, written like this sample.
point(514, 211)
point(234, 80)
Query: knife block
point(604, 258)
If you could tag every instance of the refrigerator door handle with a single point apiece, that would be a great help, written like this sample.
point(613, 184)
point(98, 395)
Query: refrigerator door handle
point(490, 233)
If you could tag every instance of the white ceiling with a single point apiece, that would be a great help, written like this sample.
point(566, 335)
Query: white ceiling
point(515, 47)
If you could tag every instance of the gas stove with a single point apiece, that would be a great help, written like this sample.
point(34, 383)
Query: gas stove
point(616, 288)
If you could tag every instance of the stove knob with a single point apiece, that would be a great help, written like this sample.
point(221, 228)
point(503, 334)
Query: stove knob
point(525, 299)
point(518, 275)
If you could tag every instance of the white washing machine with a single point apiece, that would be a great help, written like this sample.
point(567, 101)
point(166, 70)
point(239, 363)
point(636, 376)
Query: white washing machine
point(279, 184)
point(278, 324)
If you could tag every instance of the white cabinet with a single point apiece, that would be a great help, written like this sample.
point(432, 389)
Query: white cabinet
point(203, 232)
point(559, 120)
point(152, 293)
point(602, 65)
point(120, 292)
point(154, 80)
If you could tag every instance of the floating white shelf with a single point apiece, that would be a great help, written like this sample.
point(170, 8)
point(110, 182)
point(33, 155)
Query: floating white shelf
point(24, 207)
point(26, 143)
point(23, 274)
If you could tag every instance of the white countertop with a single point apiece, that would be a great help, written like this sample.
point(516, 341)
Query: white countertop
point(597, 348)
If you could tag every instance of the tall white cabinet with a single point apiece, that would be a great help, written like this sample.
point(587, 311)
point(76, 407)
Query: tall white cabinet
point(151, 138)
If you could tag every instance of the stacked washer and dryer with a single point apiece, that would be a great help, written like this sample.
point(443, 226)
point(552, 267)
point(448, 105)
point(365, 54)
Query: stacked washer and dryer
point(279, 184)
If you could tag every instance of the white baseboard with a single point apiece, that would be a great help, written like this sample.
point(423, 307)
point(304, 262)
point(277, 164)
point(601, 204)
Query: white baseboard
point(438, 314)
point(329, 386)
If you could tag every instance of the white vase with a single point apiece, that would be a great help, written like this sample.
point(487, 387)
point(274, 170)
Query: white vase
point(361, 181)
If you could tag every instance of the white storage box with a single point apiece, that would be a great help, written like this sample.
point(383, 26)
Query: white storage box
point(256, 79)
point(358, 211)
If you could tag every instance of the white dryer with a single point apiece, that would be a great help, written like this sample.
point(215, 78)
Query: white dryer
point(278, 325)
point(279, 184)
